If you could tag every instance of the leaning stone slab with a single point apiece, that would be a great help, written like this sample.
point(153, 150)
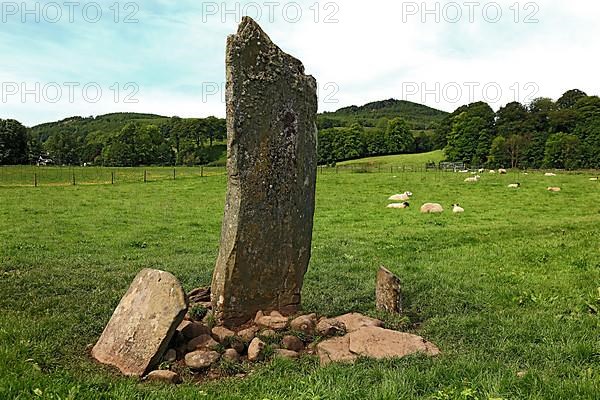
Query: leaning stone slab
point(272, 161)
point(143, 323)
point(379, 343)
point(388, 293)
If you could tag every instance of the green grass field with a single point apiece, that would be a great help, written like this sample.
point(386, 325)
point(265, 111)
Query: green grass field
point(510, 286)
point(399, 160)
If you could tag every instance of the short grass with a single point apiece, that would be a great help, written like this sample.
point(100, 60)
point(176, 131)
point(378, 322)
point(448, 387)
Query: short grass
point(399, 160)
point(26, 175)
point(510, 286)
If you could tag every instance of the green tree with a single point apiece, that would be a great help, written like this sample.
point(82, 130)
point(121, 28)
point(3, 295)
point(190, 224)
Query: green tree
point(562, 151)
point(398, 137)
point(13, 142)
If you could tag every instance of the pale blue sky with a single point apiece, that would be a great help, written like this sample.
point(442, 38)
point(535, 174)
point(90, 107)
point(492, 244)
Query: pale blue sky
point(174, 53)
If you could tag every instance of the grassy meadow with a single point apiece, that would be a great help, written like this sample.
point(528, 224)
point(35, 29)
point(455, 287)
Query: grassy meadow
point(509, 290)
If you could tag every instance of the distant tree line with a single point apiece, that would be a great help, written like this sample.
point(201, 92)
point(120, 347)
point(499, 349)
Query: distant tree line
point(389, 136)
point(78, 141)
point(544, 134)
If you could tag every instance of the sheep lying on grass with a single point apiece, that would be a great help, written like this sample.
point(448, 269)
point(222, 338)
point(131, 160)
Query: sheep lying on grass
point(549, 174)
point(432, 208)
point(457, 209)
point(594, 179)
point(401, 197)
point(502, 171)
point(554, 189)
point(399, 205)
point(473, 179)
point(492, 171)
point(514, 185)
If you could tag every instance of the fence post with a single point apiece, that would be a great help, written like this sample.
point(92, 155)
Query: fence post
point(174, 176)
point(74, 183)
point(112, 177)
point(202, 172)
point(145, 176)
point(35, 180)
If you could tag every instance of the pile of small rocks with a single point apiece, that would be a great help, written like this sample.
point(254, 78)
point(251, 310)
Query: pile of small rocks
point(203, 349)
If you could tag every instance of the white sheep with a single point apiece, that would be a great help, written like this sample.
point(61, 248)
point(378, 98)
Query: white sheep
point(457, 209)
point(473, 179)
point(514, 185)
point(502, 171)
point(401, 197)
point(549, 174)
point(594, 179)
point(554, 189)
point(481, 170)
point(399, 205)
point(492, 171)
point(432, 208)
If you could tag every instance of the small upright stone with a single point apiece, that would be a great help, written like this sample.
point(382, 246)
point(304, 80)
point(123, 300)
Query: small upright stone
point(388, 292)
point(272, 163)
point(143, 323)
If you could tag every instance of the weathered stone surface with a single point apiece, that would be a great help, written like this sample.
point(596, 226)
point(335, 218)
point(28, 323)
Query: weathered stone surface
point(248, 334)
point(170, 355)
point(331, 327)
point(143, 323)
point(231, 355)
point(274, 321)
point(255, 349)
point(336, 349)
point(202, 342)
point(388, 293)
point(272, 137)
point(355, 321)
point(164, 376)
point(293, 343)
point(289, 354)
point(221, 333)
point(379, 343)
point(268, 333)
point(306, 324)
point(201, 359)
point(191, 330)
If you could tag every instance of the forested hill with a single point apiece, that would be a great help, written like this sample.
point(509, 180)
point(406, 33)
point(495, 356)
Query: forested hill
point(104, 123)
point(418, 116)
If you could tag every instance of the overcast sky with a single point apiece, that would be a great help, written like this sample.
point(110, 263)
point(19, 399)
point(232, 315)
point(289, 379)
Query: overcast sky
point(60, 59)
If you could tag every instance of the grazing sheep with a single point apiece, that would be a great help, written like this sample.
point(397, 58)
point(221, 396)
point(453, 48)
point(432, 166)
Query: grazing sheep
point(514, 185)
point(399, 205)
point(401, 197)
point(594, 179)
point(432, 208)
point(481, 170)
point(473, 179)
point(492, 171)
point(554, 189)
point(502, 171)
point(457, 209)
point(464, 171)
point(549, 174)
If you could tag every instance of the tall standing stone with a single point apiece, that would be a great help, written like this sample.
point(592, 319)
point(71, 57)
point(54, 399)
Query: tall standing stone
point(272, 161)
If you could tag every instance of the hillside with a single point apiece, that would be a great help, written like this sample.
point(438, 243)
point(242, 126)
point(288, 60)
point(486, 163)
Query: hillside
point(418, 116)
point(103, 124)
